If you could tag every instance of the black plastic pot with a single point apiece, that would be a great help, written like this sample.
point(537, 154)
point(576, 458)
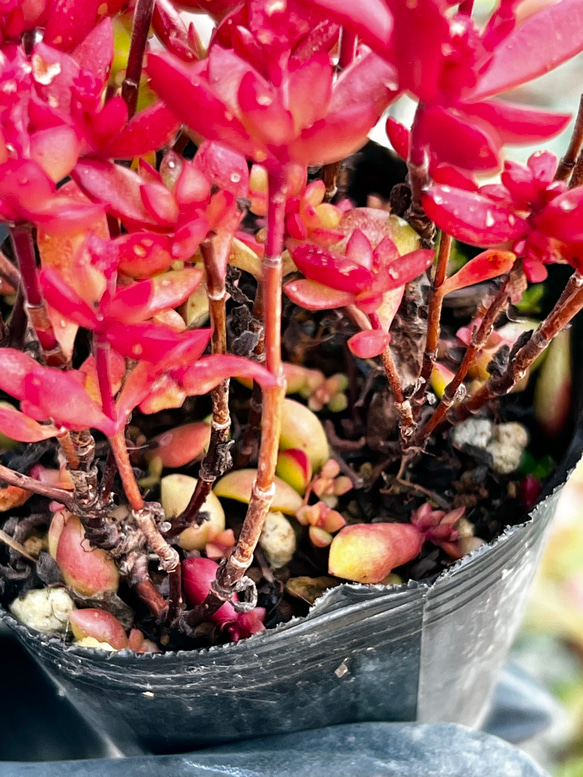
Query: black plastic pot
point(426, 652)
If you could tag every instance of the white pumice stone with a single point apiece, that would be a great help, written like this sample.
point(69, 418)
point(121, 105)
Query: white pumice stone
point(474, 431)
point(45, 609)
point(507, 446)
point(278, 540)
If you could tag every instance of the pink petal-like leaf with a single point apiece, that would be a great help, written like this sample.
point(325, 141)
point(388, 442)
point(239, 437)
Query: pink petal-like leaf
point(95, 52)
point(563, 217)
point(455, 140)
point(209, 371)
point(191, 98)
point(56, 150)
point(471, 217)
point(543, 41)
point(20, 427)
point(489, 264)
point(263, 113)
point(67, 26)
point(315, 296)
point(371, 20)
point(310, 89)
point(147, 131)
point(225, 168)
point(403, 270)
point(117, 187)
point(399, 137)
point(63, 298)
point(143, 254)
point(61, 396)
point(331, 269)
point(173, 288)
point(516, 124)
point(367, 345)
point(14, 368)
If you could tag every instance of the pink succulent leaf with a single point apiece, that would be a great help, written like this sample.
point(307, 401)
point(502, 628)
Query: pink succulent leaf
point(367, 345)
point(142, 254)
point(543, 165)
point(371, 20)
point(160, 204)
point(56, 150)
point(310, 89)
point(24, 189)
point(358, 100)
point(331, 269)
point(188, 238)
point(263, 112)
point(158, 344)
point(452, 176)
point(421, 33)
point(70, 22)
point(385, 253)
point(487, 265)
point(63, 215)
point(170, 28)
point(63, 298)
point(456, 140)
point(147, 131)
point(223, 167)
point(516, 124)
point(389, 307)
point(359, 249)
point(191, 98)
point(209, 371)
point(54, 74)
point(315, 296)
point(14, 368)
point(117, 187)
point(563, 217)
point(471, 217)
point(18, 426)
point(403, 270)
point(101, 126)
point(59, 395)
point(130, 304)
point(399, 137)
point(173, 288)
point(192, 187)
point(135, 389)
point(95, 51)
point(542, 42)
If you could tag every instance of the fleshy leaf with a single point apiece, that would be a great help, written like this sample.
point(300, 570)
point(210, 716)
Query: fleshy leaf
point(209, 371)
point(471, 217)
point(18, 426)
point(331, 269)
point(543, 41)
point(315, 296)
point(489, 264)
point(367, 345)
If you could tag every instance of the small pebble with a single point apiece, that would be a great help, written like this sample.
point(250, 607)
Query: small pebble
point(278, 540)
point(45, 609)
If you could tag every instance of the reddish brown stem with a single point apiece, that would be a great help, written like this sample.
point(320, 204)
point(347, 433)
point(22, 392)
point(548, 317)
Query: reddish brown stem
point(213, 464)
point(126, 473)
point(570, 303)
point(21, 236)
point(513, 283)
point(230, 576)
point(571, 161)
point(433, 317)
point(402, 404)
point(13, 478)
point(141, 26)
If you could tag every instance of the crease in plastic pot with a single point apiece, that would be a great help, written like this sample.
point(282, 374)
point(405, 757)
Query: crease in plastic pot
point(426, 651)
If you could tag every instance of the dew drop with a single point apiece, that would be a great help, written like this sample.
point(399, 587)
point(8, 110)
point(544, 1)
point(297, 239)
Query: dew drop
point(567, 205)
point(235, 177)
point(489, 219)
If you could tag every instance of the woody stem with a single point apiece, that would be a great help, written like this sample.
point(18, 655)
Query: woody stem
point(141, 26)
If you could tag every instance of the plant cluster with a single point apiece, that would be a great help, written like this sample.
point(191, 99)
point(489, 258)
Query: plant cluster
point(176, 220)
